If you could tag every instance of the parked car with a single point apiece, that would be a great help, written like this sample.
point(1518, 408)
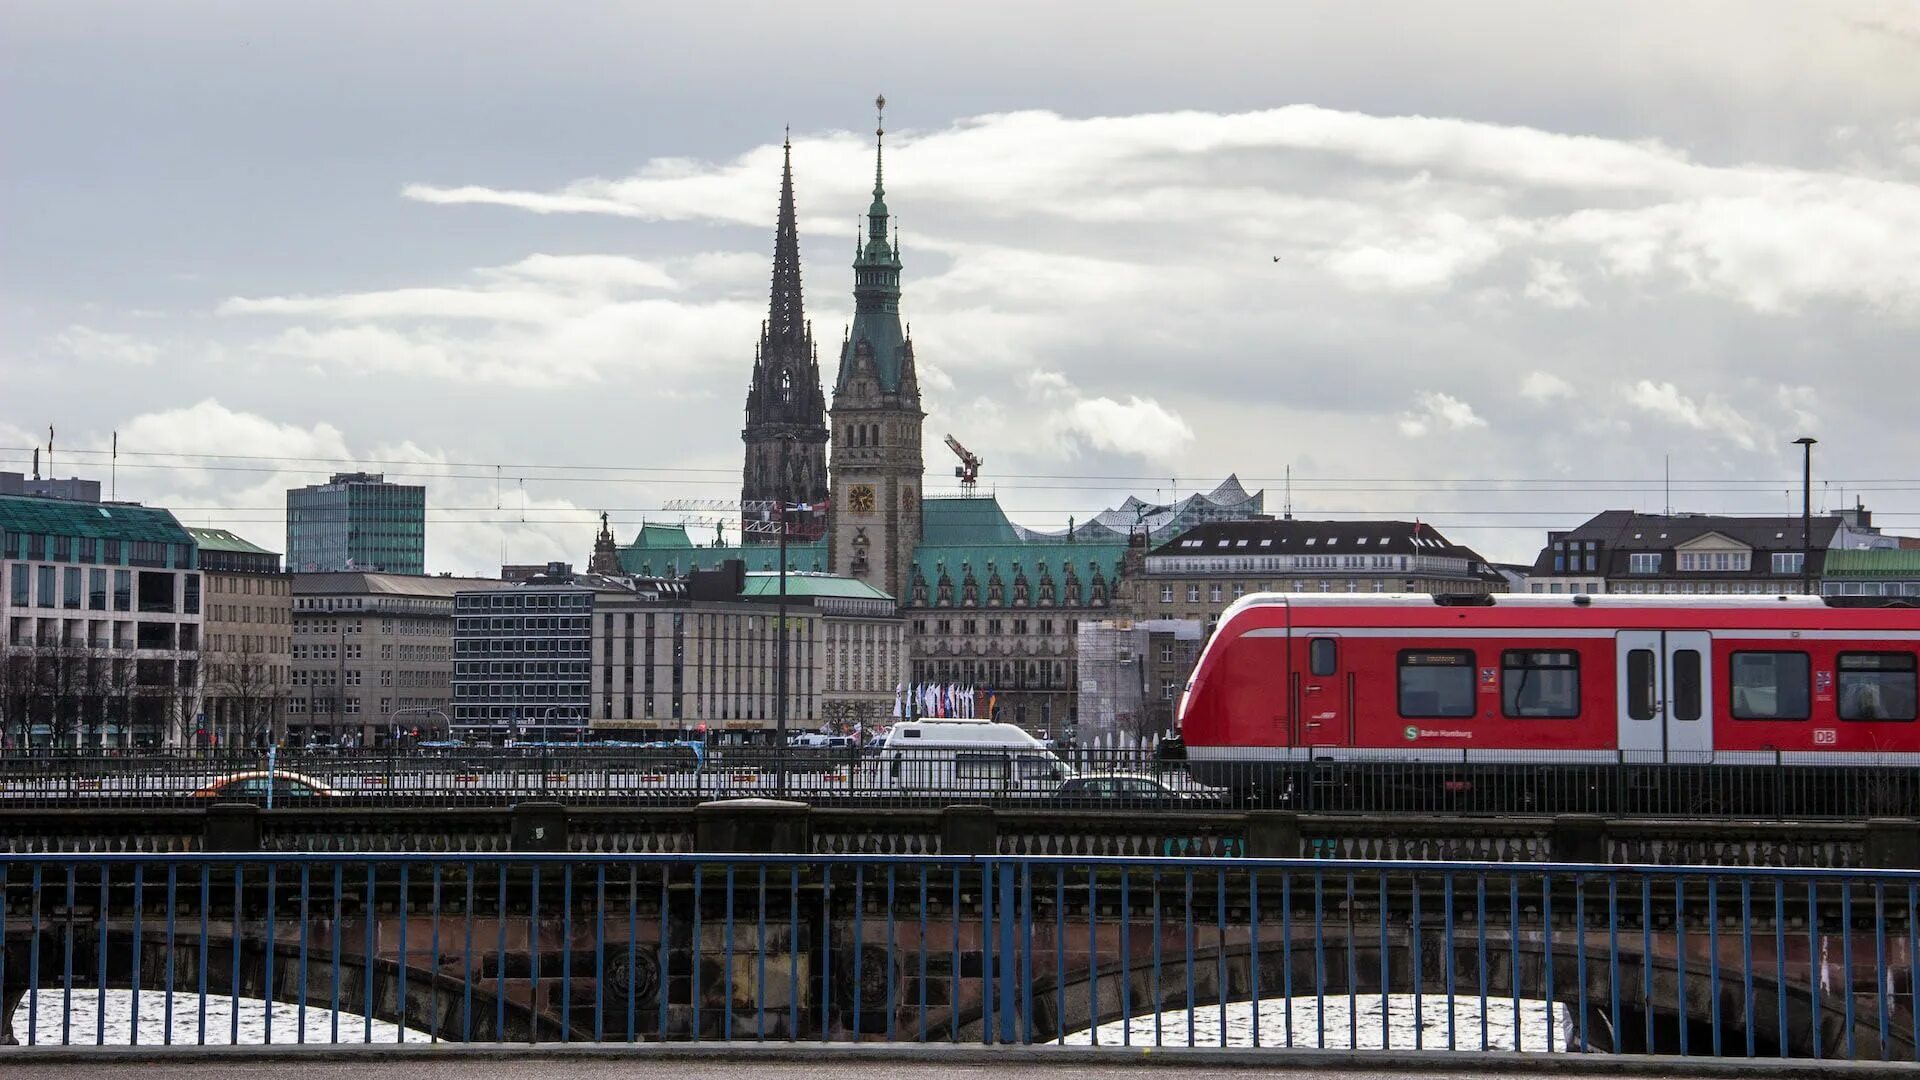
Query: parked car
point(249, 786)
point(1122, 790)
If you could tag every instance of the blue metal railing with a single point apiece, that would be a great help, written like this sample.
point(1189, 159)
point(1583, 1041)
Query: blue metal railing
point(1317, 953)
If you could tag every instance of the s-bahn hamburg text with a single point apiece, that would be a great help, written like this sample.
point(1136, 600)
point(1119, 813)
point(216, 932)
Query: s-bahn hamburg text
point(1548, 679)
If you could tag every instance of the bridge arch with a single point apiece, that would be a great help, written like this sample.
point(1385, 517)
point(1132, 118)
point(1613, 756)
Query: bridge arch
point(432, 1002)
point(1081, 998)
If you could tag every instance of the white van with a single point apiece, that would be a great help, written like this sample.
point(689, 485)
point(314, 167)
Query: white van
point(965, 758)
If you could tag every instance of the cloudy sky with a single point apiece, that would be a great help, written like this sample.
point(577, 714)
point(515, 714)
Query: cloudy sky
point(1527, 255)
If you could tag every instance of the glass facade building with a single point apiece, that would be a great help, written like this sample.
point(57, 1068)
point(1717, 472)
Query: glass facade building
point(357, 521)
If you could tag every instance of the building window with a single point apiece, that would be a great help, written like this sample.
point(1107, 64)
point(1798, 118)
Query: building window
point(1436, 684)
point(1540, 684)
point(1166, 594)
point(1877, 686)
point(1193, 594)
point(1769, 686)
point(1788, 562)
point(22, 575)
point(1643, 562)
point(46, 587)
point(123, 590)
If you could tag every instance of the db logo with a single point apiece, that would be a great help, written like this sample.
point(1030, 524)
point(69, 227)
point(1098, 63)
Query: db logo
point(1825, 736)
point(1411, 733)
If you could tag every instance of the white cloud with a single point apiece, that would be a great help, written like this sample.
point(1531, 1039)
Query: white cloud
point(1712, 415)
point(1439, 413)
point(84, 343)
point(1543, 387)
point(1139, 427)
point(1550, 284)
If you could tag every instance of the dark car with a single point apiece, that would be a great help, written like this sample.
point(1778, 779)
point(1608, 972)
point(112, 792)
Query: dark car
point(1128, 791)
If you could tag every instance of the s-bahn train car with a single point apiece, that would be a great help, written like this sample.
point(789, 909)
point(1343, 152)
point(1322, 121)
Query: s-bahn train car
point(1466, 697)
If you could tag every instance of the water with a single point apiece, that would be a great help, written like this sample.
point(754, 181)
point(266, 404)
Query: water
point(1346, 1023)
point(87, 1012)
point(1355, 1024)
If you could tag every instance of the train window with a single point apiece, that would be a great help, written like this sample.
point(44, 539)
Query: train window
point(1323, 655)
point(1877, 686)
point(1769, 686)
point(1436, 684)
point(1640, 692)
point(1686, 684)
point(1540, 684)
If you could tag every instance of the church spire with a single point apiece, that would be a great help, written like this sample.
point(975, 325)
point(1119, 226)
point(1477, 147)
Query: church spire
point(877, 213)
point(786, 316)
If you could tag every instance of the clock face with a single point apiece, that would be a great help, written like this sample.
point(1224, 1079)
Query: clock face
point(862, 498)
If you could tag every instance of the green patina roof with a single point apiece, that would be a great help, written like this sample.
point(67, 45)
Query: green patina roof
point(1883, 562)
point(1055, 555)
point(222, 540)
point(951, 522)
point(663, 536)
point(761, 584)
point(660, 560)
point(104, 521)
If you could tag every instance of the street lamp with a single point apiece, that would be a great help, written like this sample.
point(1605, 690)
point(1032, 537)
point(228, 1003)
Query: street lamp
point(1805, 443)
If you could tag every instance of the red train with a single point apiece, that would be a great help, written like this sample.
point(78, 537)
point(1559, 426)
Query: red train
point(1552, 680)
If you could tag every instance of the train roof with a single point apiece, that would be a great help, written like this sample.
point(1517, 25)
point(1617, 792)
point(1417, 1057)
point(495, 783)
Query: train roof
point(1626, 610)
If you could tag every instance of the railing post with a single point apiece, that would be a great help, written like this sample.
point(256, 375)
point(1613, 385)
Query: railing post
point(1273, 834)
point(1893, 844)
point(753, 827)
point(232, 827)
point(1579, 838)
point(969, 830)
point(539, 826)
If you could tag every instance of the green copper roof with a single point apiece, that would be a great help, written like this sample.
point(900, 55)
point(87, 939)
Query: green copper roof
point(761, 584)
point(222, 540)
point(876, 291)
point(946, 522)
point(663, 536)
point(1882, 562)
point(663, 561)
point(105, 521)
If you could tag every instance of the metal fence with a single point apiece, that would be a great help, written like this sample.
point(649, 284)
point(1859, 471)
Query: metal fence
point(1160, 952)
point(1123, 780)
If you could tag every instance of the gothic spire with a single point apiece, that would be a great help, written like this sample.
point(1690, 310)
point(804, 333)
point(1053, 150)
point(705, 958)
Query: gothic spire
point(876, 284)
point(877, 213)
point(786, 318)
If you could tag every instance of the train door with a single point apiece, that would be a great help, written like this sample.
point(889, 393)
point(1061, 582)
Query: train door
point(1326, 694)
point(1665, 695)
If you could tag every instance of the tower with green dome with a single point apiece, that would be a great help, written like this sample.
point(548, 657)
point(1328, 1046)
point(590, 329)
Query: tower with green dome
point(875, 516)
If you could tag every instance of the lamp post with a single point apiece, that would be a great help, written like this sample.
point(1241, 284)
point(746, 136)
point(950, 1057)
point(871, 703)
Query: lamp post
point(780, 625)
point(1805, 443)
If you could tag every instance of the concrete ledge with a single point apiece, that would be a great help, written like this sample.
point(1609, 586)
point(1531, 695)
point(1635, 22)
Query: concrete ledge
point(1420, 1063)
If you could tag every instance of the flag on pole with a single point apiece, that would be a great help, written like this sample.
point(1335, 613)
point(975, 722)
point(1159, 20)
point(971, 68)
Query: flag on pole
point(899, 699)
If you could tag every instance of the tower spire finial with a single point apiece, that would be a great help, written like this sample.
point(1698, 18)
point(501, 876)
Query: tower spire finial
point(879, 140)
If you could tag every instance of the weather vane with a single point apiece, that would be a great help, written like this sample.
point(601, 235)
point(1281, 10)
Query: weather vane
point(880, 108)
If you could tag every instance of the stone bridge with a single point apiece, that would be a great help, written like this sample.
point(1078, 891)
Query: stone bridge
point(539, 948)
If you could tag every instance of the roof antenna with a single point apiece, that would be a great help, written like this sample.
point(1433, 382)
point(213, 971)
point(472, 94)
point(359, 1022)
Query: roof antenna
point(1669, 487)
point(1287, 510)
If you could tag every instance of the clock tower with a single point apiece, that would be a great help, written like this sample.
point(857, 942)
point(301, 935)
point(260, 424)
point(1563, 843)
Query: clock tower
point(874, 515)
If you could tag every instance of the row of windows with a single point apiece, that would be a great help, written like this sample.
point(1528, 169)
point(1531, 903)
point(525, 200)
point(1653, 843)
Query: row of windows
point(1545, 684)
point(86, 549)
point(1649, 562)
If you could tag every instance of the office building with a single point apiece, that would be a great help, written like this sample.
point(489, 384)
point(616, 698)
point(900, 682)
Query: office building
point(357, 521)
point(247, 640)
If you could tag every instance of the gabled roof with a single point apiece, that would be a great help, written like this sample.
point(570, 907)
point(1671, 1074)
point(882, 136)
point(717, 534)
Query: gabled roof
point(1623, 532)
point(662, 536)
point(38, 516)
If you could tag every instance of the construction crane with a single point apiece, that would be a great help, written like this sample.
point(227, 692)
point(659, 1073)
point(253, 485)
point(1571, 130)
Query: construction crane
point(969, 468)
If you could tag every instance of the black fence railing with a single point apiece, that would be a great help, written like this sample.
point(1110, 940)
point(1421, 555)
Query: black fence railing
point(1120, 780)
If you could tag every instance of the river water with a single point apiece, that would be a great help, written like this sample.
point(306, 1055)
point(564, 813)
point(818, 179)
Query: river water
point(1365, 1023)
point(1340, 1023)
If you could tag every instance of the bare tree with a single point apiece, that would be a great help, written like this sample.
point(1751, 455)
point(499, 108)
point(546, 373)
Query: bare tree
point(248, 691)
point(19, 692)
point(61, 673)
